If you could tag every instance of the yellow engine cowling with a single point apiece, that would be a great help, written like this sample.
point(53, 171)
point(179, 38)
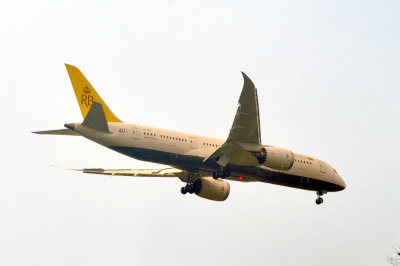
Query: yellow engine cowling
point(212, 189)
point(276, 158)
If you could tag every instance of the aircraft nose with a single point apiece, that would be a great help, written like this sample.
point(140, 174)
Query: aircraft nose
point(340, 182)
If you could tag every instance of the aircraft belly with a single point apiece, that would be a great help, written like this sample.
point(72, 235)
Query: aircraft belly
point(284, 179)
point(301, 182)
point(193, 163)
point(174, 159)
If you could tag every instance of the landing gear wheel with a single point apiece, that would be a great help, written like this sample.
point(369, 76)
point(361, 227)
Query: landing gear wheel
point(183, 190)
point(319, 200)
point(192, 188)
point(221, 174)
point(189, 188)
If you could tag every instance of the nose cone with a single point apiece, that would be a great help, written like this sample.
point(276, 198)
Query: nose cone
point(340, 182)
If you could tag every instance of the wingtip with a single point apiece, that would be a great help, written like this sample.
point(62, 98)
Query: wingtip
point(244, 75)
point(59, 167)
point(247, 79)
point(65, 168)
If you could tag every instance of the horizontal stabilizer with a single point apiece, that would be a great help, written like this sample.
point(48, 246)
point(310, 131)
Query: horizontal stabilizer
point(64, 132)
point(96, 118)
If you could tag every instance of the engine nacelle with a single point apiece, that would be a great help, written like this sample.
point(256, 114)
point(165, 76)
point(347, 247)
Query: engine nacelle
point(212, 189)
point(276, 158)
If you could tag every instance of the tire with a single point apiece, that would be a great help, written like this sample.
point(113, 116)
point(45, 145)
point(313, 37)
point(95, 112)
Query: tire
point(183, 190)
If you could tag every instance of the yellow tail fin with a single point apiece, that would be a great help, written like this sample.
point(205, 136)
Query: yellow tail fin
point(86, 94)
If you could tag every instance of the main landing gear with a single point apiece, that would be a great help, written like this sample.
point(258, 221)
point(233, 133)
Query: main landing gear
point(191, 188)
point(187, 189)
point(221, 174)
point(319, 200)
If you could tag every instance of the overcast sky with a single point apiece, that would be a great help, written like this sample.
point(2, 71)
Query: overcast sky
point(327, 74)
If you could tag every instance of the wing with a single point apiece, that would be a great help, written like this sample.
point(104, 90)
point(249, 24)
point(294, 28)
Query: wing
point(183, 175)
point(232, 153)
point(246, 126)
point(169, 172)
point(245, 129)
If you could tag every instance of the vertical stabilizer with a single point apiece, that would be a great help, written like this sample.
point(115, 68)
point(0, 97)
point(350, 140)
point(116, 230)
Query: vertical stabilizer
point(86, 94)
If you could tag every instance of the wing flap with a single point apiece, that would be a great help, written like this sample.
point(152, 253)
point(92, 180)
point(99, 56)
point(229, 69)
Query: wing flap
point(169, 172)
point(185, 176)
point(233, 153)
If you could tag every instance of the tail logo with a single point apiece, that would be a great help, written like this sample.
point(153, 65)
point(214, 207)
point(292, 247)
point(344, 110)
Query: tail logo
point(86, 90)
point(86, 99)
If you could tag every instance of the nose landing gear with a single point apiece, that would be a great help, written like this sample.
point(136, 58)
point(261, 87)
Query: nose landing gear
point(319, 200)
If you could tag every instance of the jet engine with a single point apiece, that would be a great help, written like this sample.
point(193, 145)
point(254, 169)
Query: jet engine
point(212, 189)
point(275, 158)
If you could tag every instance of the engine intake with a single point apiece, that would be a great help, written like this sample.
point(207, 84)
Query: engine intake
point(212, 189)
point(275, 158)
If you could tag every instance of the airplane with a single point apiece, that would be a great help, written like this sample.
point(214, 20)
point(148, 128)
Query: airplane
point(203, 163)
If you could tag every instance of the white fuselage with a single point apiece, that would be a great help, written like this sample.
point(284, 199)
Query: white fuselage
point(187, 151)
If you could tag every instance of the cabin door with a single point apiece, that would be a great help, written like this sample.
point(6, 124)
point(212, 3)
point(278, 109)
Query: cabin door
point(322, 167)
point(135, 133)
point(193, 143)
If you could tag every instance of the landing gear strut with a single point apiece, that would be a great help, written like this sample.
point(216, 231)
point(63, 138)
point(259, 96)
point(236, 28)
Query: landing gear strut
point(319, 200)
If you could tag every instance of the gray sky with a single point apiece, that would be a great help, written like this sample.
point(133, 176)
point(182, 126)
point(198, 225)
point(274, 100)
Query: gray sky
point(327, 74)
